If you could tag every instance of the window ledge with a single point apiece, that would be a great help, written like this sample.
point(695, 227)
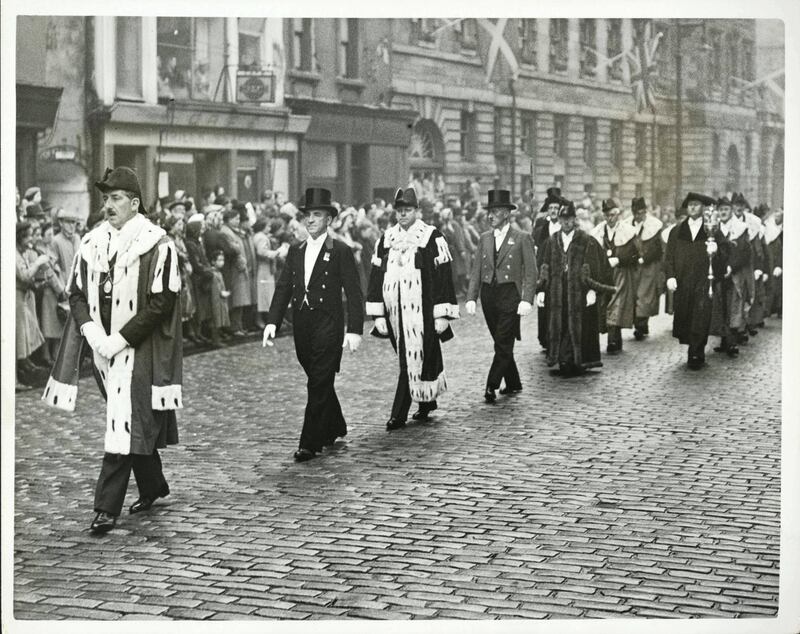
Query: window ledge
point(305, 75)
point(351, 82)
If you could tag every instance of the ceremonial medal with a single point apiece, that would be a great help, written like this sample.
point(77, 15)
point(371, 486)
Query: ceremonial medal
point(609, 253)
point(107, 286)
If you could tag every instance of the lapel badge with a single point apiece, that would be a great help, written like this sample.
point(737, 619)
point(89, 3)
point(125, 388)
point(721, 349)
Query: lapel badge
point(510, 242)
point(326, 256)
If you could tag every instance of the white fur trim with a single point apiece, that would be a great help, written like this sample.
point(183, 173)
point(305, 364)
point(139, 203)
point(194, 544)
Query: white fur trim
point(426, 391)
point(376, 309)
point(60, 395)
point(174, 280)
point(444, 251)
point(652, 226)
point(772, 230)
point(753, 225)
point(376, 261)
point(167, 397)
point(735, 228)
point(446, 310)
point(623, 233)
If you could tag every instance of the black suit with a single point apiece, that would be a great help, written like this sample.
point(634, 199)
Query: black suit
point(318, 319)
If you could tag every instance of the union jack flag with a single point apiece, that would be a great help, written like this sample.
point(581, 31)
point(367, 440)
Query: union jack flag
point(642, 63)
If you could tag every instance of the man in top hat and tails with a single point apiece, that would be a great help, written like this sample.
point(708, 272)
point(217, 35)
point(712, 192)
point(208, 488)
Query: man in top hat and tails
point(647, 229)
point(544, 227)
point(412, 299)
point(574, 271)
point(730, 291)
point(618, 241)
point(313, 278)
point(125, 300)
point(686, 267)
point(505, 272)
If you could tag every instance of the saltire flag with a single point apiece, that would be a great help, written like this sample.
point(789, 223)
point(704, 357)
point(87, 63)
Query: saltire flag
point(643, 67)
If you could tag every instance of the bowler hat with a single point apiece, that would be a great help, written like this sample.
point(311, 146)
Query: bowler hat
point(318, 198)
point(500, 199)
point(637, 204)
point(553, 196)
point(121, 178)
point(700, 198)
point(567, 209)
point(405, 198)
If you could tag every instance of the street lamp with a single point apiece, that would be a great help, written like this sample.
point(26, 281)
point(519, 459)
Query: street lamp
point(680, 25)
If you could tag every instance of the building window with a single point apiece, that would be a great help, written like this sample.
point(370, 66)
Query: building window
point(589, 141)
point(467, 135)
point(733, 55)
point(499, 120)
point(614, 48)
point(588, 41)
point(251, 32)
point(527, 41)
point(641, 144)
point(528, 138)
point(467, 31)
point(423, 29)
point(748, 152)
point(303, 44)
point(189, 56)
point(747, 60)
point(715, 150)
point(129, 58)
point(348, 47)
point(614, 191)
point(638, 190)
point(664, 139)
point(560, 123)
point(616, 143)
point(716, 57)
point(558, 45)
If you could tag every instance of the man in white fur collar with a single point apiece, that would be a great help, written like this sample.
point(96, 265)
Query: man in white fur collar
point(124, 296)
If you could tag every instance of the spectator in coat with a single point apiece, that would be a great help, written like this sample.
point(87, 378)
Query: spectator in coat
point(237, 280)
point(28, 334)
point(201, 279)
point(267, 252)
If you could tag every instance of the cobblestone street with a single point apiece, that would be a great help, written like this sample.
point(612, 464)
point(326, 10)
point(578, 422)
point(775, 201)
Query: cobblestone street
point(639, 490)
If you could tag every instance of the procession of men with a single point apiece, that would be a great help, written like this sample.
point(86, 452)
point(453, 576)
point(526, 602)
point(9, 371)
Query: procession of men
point(720, 265)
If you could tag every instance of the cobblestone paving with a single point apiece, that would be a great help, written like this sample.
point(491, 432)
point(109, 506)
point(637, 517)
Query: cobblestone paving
point(640, 490)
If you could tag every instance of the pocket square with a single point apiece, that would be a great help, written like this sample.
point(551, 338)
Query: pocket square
point(327, 256)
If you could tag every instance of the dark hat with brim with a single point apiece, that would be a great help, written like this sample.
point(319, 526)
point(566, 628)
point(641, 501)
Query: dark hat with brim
point(553, 197)
point(318, 198)
point(405, 198)
point(724, 202)
point(500, 199)
point(637, 204)
point(700, 198)
point(739, 199)
point(609, 204)
point(186, 205)
point(567, 209)
point(122, 178)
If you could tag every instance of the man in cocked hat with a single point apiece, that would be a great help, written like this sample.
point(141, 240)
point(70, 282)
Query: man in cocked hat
point(650, 248)
point(125, 301)
point(545, 226)
point(686, 267)
point(759, 265)
point(313, 278)
point(412, 300)
point(505, 274)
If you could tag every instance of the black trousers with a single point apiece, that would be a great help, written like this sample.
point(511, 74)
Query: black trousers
point(318, 344)
point(542, 317)
point(614, 338)
point(402, 395)
point(115, 473)
point(500, 303)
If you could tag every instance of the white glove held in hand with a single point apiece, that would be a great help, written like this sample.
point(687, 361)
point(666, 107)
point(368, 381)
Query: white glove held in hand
point(111, 345)
point(524, 308)
point(777, 271)
point(757, 273)
point(540, 299)
point(441, 324)
point(591, 297)
point(470, 306)
point(94, 334)
point(269, 333)
point(351, 341)
point(613, 262)
point(380, 325)
point(672, 284)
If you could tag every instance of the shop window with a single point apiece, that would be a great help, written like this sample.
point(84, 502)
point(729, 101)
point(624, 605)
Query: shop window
point(560, 123)
point(558, 45)
point(348, 47)
point(303, 44)
point(588, 42)
point(467, 135)
point(614, 48)
point(321, 162)
point(616, 143)
point(589, 141)
point(527, 41)
point(190, 56)
point(129, 58)
point(641, 144)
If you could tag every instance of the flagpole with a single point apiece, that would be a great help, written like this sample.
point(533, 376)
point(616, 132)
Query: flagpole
point(513, 89)
point(653, 161)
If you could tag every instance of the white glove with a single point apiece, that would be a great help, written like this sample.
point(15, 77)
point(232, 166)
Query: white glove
point(757, 273)
point(380, 325)
point(470, 306)
point(711, 247)
point(94, 334)
point(672, 284)
point(540, 299)
point(269, 333)
point(777, 271)
point(524, 308)
point(613, 262)
point(728, 271)
point(111, 345)
point(351, 341)
point(641, 260)
point(591, 297)
point(765, 277)
point(441, 324)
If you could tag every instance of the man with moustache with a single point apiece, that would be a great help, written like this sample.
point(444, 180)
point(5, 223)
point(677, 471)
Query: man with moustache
point(313, 278)
point(505, 272)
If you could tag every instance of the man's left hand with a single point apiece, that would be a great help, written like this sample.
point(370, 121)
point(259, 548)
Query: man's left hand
point(351, 341)
point(111, 345)
point(441, 325)
point(524, 308)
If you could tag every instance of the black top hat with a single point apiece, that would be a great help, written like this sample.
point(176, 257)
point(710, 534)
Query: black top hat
point(567, 209)
point(609, 204)
point(553, 196)
point(121, 178)
point(638, 204)
point(500, 199)
point(318, 198)
point(701, 198)
point(405, 198)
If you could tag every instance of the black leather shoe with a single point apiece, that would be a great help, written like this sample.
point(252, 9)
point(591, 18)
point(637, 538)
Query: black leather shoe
point(393, 423)
point(696, 363)
point(103, 522)
point(301, 455)
point(424, 411)
point(638, 335)
point(510, 390)
point(144, 503)
point(732, 351)
point(489, 395)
